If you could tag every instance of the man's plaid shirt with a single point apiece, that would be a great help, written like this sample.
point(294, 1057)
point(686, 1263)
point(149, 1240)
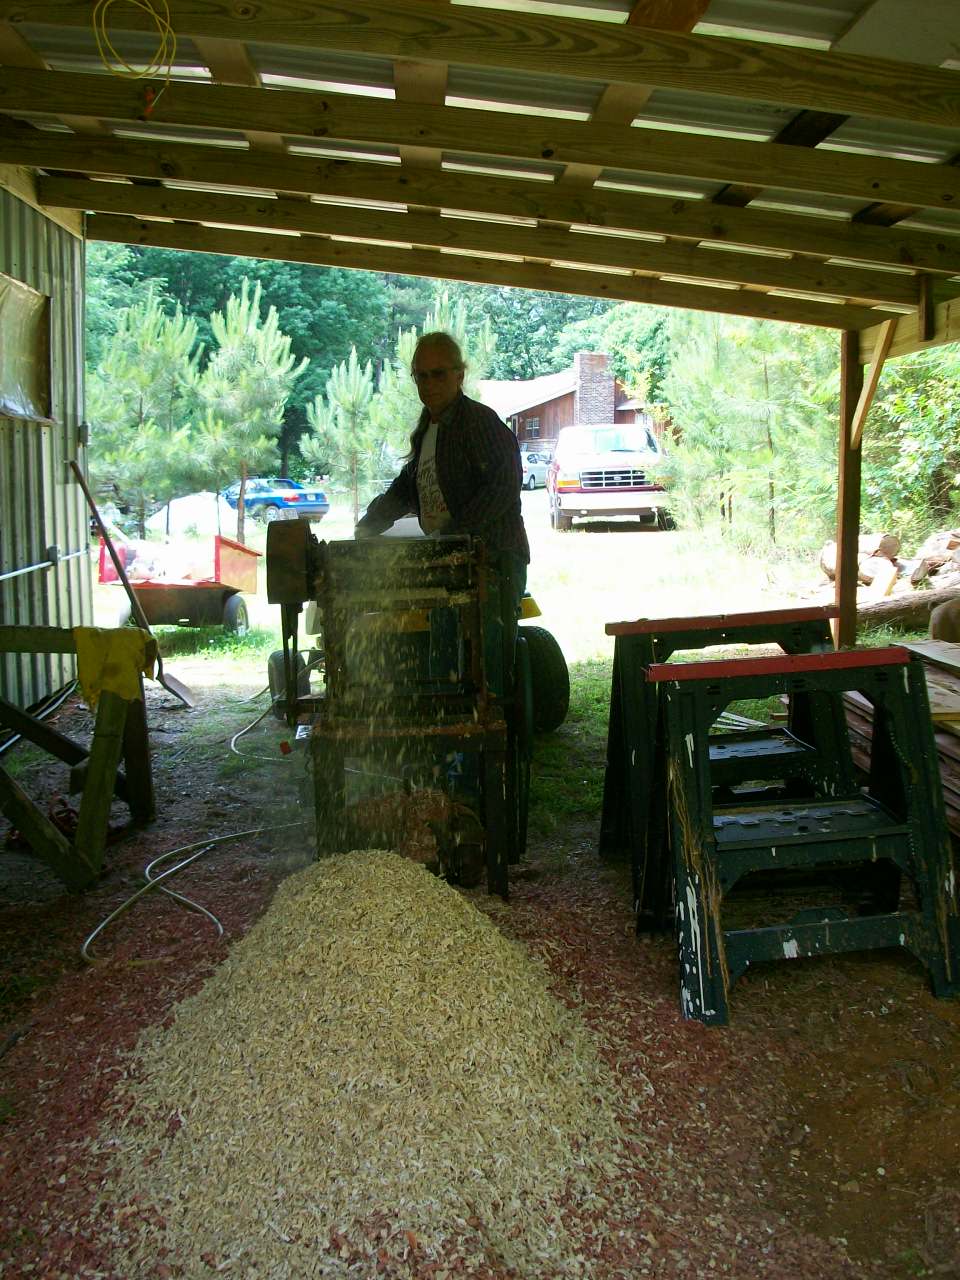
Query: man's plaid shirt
point(480, 474)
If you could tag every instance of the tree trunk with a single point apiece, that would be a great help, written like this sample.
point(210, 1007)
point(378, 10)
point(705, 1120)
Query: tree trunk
point(909, 611)
point(241, 505)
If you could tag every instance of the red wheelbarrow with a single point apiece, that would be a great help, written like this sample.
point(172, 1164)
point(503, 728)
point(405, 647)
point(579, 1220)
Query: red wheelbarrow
point(187, 585)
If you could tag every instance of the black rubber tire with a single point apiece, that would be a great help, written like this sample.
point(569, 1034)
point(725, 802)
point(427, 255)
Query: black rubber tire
point(277, 680)
point(269, 514)
point(531, 483)
point(236, 620)
point(550, 679)
point(665, 520)
point(564, 523)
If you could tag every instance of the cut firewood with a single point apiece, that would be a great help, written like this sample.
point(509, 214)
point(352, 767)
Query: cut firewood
point(869, 546)
point(880, 575)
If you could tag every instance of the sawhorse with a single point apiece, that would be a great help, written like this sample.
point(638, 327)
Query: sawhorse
point(892, 828)
point(634, 793)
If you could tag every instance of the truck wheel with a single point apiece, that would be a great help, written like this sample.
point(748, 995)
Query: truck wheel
point(564, 523)
point(236, 620)
point(550, 679)
point(277, 680)
point(665, 520)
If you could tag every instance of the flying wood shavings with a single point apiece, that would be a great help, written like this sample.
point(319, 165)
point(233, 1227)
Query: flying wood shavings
point(375, 1073)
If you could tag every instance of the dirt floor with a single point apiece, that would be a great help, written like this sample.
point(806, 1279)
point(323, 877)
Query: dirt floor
point(817, 1136)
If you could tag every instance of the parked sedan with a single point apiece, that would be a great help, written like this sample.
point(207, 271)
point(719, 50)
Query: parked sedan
point(534, 470)
point(275, 499)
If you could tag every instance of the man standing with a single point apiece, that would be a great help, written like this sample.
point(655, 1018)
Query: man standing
point(463, 472)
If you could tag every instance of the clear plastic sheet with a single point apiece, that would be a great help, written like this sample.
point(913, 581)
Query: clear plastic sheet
point(24, 351)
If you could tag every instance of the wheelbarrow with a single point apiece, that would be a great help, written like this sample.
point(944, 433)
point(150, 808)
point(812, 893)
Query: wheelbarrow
point(187, 585)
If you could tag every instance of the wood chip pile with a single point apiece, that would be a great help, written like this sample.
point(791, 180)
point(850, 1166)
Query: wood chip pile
point(375, 1078)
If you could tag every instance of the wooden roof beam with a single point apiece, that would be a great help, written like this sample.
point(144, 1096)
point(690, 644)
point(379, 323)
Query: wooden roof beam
point(538, 45)
point(907, 332)
point(621, 104)
point(687, 219)
point(536, 242)
point(342, 116)
point(455, 266)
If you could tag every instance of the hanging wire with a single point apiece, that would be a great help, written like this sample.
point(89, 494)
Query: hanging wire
point(163, 57)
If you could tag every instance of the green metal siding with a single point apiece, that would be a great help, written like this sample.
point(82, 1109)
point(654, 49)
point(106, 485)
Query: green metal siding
point(40, 503)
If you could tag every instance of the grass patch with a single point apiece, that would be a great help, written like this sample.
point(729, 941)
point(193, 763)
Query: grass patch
point(568, 766)
point(217, 644)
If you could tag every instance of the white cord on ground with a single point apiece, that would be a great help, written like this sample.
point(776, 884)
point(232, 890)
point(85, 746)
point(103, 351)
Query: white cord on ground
point(195, 850)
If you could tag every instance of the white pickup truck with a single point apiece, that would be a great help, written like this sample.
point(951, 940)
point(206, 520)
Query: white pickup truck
point(605, 470)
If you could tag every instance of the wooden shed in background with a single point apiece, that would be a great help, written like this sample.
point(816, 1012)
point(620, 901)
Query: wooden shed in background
point(778, 159)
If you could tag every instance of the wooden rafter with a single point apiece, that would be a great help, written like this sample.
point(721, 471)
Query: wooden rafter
point(438, 32)
point(340, 116)
point(686, 219)
point(458, 266)
point(541, 243)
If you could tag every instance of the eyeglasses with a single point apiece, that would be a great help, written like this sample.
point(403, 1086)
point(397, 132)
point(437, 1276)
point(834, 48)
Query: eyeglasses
point(432, 375)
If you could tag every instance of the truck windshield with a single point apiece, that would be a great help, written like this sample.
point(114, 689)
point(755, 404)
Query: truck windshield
point(627, 437)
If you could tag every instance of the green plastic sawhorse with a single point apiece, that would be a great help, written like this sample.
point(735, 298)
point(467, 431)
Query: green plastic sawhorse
point(634, 812)
point(890, 830)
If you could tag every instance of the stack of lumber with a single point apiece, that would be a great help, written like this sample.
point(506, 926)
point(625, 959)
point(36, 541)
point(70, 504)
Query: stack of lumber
point(942, 667)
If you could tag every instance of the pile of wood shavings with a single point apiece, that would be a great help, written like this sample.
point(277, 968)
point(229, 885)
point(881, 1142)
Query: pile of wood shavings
point(376, 1076)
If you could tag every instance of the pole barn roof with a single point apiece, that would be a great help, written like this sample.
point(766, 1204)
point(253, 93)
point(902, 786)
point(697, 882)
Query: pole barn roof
point(757, 157)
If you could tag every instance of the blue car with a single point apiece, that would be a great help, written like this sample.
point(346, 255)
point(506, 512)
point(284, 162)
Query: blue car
point(279, 499)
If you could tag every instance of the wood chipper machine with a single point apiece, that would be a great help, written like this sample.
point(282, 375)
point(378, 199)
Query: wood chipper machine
point(427, 706)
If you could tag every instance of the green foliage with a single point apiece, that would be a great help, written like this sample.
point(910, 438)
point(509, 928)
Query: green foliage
point(111, 287)
point(341, 432)
point(324, 310)
point(754, 414)
point(635, 338)
point(911, 446)
point(139, 402)
point(244, 389)
point(527, 324)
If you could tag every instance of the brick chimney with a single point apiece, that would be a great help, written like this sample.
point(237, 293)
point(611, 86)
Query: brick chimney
point(595, 398)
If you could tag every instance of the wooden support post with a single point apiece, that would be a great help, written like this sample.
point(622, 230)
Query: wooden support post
point(848, 498)
point(47, 843)
point(98, 792)
point(136, 754)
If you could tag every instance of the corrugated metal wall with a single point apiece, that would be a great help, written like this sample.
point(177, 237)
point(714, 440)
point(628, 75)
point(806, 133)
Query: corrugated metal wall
point(40, 503)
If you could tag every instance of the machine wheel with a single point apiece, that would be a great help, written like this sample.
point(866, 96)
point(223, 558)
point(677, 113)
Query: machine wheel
point(235, 617)
point(564, 523)
point(549, 678)
point(665, 520)
point(269, 514)
point(532, 482)
point(277, 679)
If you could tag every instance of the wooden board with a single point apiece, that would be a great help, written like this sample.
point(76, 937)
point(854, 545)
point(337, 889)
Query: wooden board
point(940, 652)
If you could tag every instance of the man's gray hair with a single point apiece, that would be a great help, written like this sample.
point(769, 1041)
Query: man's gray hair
point(439, 339)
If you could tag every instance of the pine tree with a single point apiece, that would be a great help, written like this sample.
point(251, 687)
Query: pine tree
point(244, 389)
